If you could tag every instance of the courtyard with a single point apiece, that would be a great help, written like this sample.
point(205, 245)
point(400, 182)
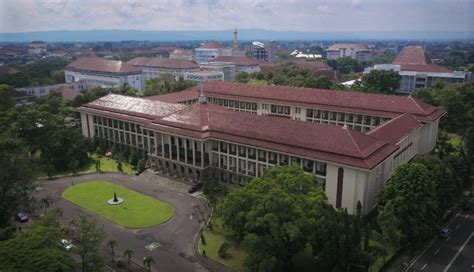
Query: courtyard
point(137, 210)
point(173, 232)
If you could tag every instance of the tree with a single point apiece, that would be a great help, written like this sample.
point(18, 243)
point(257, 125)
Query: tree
point(16, 178)
point(148, 261)
point(6, 99)
point(114, 150)
point(242, 77)
point(98, 165)
point(222, 252)
point(46, 202)
point(128, 254)
point(89, 236)
point(347, 64)
point(36, 249)
point(272, 215)
point(112, 244)
point(322, 82)
point(381, 81)
point(119, 166)
point(412, 197)
point(390, 226)
point(66, 149)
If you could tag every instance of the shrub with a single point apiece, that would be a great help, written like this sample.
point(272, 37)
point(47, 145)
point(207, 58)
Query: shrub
point(203, 239)
point(222, 252)
point(120, 263)
point(140, 165)
point(134, 158)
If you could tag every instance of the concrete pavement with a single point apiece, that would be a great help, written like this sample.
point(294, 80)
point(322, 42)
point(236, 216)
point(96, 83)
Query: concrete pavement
point(175, 237)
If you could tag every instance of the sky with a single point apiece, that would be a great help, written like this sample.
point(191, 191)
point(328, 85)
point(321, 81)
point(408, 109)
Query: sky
point(293, 15)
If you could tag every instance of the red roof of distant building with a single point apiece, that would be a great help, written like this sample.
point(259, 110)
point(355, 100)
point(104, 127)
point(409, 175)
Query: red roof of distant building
point(212, 45)
point(313, 65)
point(414, 58)
point(102, 65)
point(67, 93)
point(164, 48)
point(319, 141)
point(163, 63)
point(358, 46)
point(344, 101)
point(239, 61)
point(396, 129)
point(7, 70)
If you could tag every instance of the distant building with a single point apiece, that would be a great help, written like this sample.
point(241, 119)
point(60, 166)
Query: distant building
point(68, 90)
point(204, 76)
point(360, 52)
point(4, 70)
point(153, 67)
point(300, 55)
point(163, 51)
point(37, 48)
point(242, 64)
point(264, 51)
point(182, 54)
point(227, 68)
point(418, 71)
point(211, 50)
point(101, 72)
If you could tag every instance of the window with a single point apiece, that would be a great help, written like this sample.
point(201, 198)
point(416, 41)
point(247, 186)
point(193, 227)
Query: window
point(309, 113)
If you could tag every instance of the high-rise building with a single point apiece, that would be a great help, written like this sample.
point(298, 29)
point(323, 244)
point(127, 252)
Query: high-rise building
point(356, 51)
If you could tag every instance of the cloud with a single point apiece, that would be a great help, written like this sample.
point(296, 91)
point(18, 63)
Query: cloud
point(304, 15)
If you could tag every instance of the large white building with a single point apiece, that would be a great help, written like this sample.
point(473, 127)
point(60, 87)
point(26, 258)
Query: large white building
point(211, 50)
point(227, 68)
point(153, 67)
point(37, 48)
point(101, 72)
point(351, 141)
point(417, 70)
point(353, 50)
point(242, 64)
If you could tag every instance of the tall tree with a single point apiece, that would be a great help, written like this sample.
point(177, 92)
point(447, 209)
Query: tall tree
point(128, 254)
point(89, 236)
point(111, 244)
point(6, 99)
point(16, 179)
point(380, 81)
point(270, 214)
point(148, 261)
point(413, 197)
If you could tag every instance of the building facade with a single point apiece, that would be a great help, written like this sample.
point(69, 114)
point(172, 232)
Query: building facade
point(210, 50)
point(264, 51)
point(153, 67)
point(227, 68)
point(198, 141)
point(355, 51)
point(206, 75)
point(101, 72)
point(242, 64)
point(417, 71)
point(182, 54)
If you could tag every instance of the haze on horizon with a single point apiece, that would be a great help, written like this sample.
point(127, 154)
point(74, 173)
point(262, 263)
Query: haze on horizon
point(287, 15)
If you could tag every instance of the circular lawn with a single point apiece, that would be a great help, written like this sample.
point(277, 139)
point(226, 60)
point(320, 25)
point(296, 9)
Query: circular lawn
point(137, 210)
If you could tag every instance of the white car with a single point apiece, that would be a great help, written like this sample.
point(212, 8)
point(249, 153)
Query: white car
point(66, 244)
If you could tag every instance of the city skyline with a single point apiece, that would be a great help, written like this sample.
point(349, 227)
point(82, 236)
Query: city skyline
point(305, 16)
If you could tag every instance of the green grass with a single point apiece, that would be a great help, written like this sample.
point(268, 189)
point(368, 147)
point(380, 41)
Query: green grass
point(215, 238)
point(137, 210)
point(107, 165)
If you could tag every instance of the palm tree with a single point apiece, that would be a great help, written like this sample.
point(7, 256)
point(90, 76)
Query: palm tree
point(148, 261)
point(128, 253)
point(46, 202)
point(112, 244)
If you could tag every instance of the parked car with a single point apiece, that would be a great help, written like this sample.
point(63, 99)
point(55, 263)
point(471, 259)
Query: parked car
point(445, 232)
point(195, 187)
point(21, 217)
point(66, 244)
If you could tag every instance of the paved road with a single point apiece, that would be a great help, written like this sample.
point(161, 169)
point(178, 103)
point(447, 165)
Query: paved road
point(176, 237)
point(452, 254)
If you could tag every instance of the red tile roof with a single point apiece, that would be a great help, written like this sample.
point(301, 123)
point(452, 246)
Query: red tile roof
point(239, 61)
point(67, 93)
point(7, 70)
point(345, 101)
point(396, 129)
point(414, 58)
point(102, 65)
point(212, 45)
point(163, 63)
point(164, 48)
point(313, 65)
point(318, 141)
